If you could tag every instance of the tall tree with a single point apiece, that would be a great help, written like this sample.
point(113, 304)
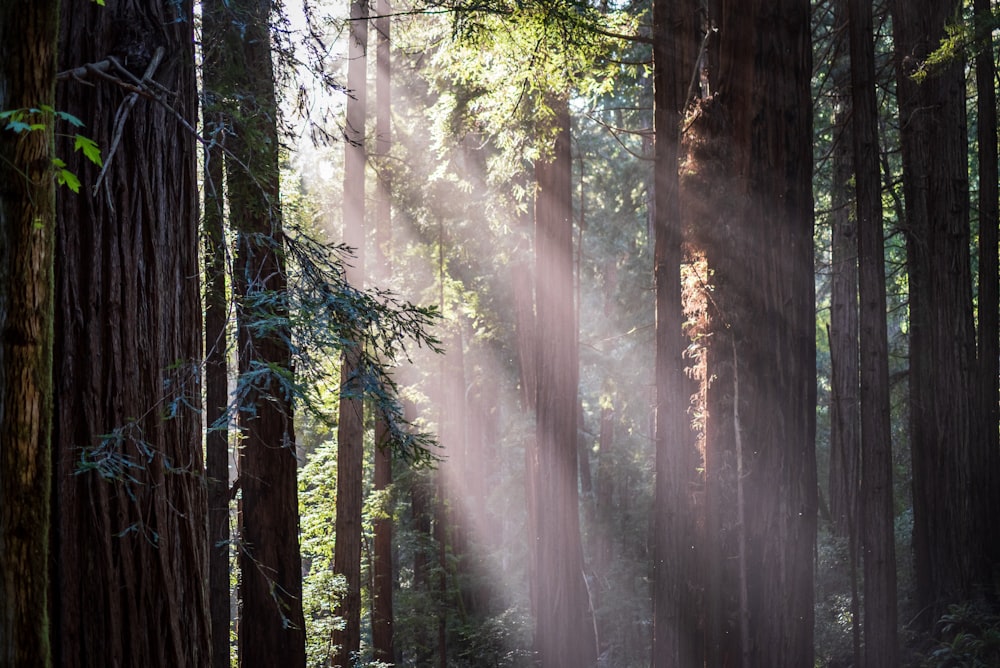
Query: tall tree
point(947, 537)
point(350, 429)
point(215, 67)
point(748, 201)
point(271, 625)
point(564, 631)
point(676, 549)
point(27, 220)
point(878, 536)
point(129, 546)
point(382, 618)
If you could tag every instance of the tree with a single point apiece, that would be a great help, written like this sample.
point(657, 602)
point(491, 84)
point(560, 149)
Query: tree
point(129, 542)
point(350, 430)
point(271, 624)
point(877, 520)
point(746, 197)
point(948, 536)
point(564, 634)
point(27, 221)
point(676, 546)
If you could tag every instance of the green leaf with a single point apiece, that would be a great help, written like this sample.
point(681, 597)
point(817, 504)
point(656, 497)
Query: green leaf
point(69, 118)
point(90, 149)
point(68, 179)
point(100, 2)
point(18, 126)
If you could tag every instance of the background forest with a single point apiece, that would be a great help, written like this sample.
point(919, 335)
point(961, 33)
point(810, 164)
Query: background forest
point(552, 333)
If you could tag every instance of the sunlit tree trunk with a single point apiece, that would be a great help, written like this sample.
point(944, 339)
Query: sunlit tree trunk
point(214, 71)
point(754, 215)
point(564, 631)
point(382, 615)
point(350, 430)
point(947, 536)
point(129, 549)
point(28, 35)
point(676, 618)
point(878, 537)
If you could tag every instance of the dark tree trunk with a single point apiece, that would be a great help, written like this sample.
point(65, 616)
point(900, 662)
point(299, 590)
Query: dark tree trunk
point(948, 542)
point(216, 338)
point(989, 281)
point(564, 630)
point(350, 430)
point(754, 217)
point(28, 34)
point(382, 615)
point(676, 618)
point(129, 548)
point(271, 626)
point(878, 537)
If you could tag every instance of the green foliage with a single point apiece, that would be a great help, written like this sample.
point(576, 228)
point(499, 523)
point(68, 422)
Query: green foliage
point(967, 636)
point(32, 119)
point(963, 40)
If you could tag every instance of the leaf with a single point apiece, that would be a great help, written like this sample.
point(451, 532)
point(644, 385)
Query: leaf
point(68, 179)
point(18, 126)
point(90, 149)
point(100, 2)
point(69, 118)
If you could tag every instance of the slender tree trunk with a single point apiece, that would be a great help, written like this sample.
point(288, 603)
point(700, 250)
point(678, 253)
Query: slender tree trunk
point(350, 430)
point(271, 626)
point(564, 631)
point(675, 549)
point(881, 643)
point(382, 614)
point(216, 338)
point(129, 548)
point(948, 546)
point(28, 36)
point(989, 282)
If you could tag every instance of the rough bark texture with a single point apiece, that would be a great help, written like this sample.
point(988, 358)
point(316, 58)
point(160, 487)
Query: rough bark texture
point(750, 206)
point(676, 550)
point(129, 539)
point(271, 627)
point(878, 537)
point(214, 71)
point(947, 536)
point(28, 35)
point(989, 281)
point(564, 630)
point(350, 430)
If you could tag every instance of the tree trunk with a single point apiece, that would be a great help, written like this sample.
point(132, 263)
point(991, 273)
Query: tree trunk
point(382, 619)
point(216, 338)
point(989, 282)
point(564, 631)
point(28, 34)
point(881, 643)
point(948, 543)
point(129, 547)
point(750, 165)
point(676, 637)
point(350, 430)
point(271, 626)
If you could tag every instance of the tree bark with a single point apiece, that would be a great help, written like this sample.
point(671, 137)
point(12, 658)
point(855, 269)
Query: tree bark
point(564, 631)
point(350, 430)
point(28, 36)
point(129, 539)
point(676, 550)
point(881, 642)
point(948, 545)
point(271, 626)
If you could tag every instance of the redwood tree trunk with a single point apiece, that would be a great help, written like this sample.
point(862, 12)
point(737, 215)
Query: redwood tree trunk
point(28, 35)
point(564, 630)
point(350, 430)
point(129, 545)
point(948, 542)
point(676, 618)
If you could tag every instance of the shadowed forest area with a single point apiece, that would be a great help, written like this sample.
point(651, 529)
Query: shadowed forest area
point(496, 333)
